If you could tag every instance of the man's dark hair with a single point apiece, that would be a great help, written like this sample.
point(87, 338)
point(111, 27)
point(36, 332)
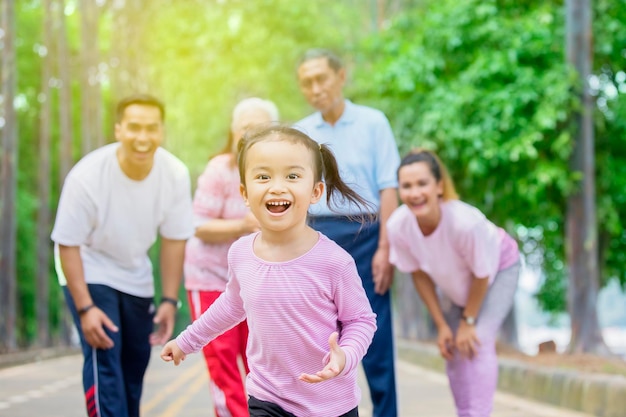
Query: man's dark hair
point(144, 99)
point(333, 59)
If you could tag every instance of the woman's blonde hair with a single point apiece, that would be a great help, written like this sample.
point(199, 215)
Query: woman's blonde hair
point(437, 168)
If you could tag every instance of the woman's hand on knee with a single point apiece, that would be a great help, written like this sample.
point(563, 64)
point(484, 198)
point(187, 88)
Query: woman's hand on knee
point(467, 341)
point(445, 342)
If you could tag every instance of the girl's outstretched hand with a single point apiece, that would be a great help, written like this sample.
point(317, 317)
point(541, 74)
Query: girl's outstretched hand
point(171, 352)
point(336, 363)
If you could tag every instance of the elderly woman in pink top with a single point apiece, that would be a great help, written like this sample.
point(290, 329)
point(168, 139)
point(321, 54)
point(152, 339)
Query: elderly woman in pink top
point(464, 268)
point(221, 217)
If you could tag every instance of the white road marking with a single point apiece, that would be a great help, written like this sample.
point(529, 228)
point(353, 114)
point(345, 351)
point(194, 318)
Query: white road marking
point(40, 392)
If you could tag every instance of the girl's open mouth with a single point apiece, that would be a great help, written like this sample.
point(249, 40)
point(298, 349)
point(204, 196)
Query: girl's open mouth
point(277, 206)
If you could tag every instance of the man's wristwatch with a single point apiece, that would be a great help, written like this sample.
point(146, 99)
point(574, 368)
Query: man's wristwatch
point(172, 301)
point(469, 320)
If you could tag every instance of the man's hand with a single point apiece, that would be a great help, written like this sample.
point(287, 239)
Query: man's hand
point(171, 352)
point(164, 319)
point(335, 365)
point(382, 271)
point(92, 323)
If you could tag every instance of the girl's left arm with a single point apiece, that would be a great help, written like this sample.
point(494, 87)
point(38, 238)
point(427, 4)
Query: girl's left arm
point(354, 312)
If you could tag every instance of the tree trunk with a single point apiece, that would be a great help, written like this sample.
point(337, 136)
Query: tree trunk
point(581, 226)
point(65, 94)
point(8, 182)
point(43, 217)
point(66, 159)
point(128, 71)
point(91, 107)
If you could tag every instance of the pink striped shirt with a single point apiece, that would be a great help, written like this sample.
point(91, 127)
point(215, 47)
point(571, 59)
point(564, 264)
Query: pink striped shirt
point(292, 308)
point(217, 197)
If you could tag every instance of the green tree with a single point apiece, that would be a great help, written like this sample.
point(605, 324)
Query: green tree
point(485, 83)
point(610, 82)
point(9, 152)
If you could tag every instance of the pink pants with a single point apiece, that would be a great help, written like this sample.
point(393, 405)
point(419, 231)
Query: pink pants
point(221, 354)
point(473, 382)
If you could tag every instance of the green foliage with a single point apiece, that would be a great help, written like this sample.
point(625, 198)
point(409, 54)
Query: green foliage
point(485, 84)
point(610, 59)
point(26, 246)
point(229, 51)
point(28, 73)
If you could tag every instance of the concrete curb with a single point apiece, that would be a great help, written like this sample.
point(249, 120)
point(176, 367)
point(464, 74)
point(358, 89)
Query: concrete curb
point(10, 359)
point(597, 394)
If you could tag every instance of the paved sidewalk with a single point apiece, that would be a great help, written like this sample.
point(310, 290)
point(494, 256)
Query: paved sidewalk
point(425, 393)
point(52, 388)
point(421, 392)
point(593, 393)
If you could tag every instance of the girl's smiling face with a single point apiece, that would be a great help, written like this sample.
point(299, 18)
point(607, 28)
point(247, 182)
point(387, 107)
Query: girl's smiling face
point(419, 190)
point(280, 183)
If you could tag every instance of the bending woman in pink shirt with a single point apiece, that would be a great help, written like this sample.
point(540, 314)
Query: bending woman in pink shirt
point(309, 318)
point(221, 217)
point(452, 249)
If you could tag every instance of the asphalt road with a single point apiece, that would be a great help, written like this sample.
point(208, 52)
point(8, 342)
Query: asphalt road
point(52, 388)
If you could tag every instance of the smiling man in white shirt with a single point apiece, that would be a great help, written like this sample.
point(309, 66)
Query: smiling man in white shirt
point(115, 203)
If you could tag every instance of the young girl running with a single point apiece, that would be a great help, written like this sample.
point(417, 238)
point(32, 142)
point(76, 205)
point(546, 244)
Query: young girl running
point(309, 319)
point(447, 244)
point(221, 217)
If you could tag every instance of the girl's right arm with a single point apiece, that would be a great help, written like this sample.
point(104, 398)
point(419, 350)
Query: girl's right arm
point(225, 313)
point(426, 289)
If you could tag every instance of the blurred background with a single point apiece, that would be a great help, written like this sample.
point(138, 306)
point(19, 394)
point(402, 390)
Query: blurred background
point(506, 91)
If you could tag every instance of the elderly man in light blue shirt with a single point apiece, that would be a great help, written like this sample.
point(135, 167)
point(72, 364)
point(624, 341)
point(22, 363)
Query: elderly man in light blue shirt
point(363, 144)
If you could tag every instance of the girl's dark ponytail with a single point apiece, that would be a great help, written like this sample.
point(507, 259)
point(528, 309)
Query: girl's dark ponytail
point(336, 187)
